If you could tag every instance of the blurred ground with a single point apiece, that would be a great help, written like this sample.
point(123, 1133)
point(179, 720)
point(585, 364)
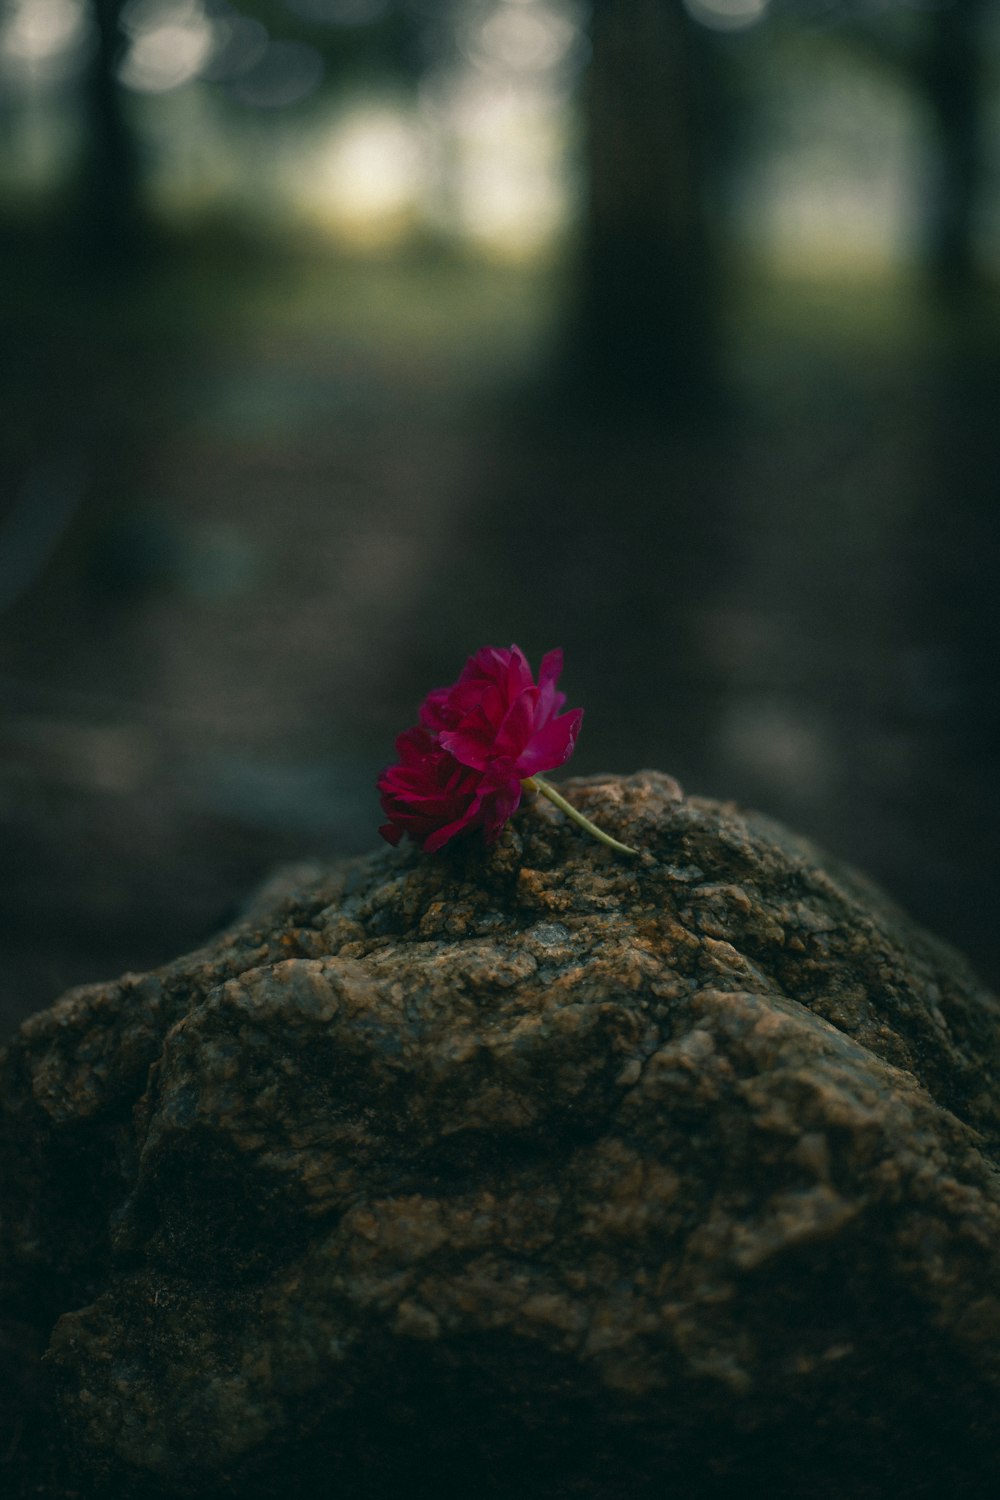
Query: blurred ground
point(254, 509)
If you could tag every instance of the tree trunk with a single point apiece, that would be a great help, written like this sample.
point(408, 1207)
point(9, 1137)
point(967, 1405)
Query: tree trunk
point(109, 210)
point(644, 312)
point(953, 87)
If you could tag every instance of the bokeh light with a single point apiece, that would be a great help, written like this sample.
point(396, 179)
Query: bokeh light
point(727, 15)
point(285, 73)
point(522, 38)
point(365, 180)
point(239, 43)
point(170, 41)
point(43, 40)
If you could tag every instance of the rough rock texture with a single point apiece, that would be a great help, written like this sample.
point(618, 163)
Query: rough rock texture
point(539, 1172)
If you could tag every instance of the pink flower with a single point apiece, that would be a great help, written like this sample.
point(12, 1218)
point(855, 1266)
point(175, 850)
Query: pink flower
point(463, 765)
point(433, 797)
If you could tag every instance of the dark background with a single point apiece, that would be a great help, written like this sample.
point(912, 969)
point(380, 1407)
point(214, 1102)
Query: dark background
point(342, 337)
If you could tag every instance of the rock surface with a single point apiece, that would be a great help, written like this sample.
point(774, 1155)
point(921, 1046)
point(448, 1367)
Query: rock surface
point(536, 1172)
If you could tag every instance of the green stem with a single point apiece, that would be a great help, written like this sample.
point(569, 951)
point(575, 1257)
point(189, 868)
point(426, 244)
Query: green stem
point(536, 784)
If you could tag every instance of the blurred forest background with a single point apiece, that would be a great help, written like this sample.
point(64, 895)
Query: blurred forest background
point(342, 337)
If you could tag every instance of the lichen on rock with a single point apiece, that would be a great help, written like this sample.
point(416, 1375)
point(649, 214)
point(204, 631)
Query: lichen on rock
point(527, 1171)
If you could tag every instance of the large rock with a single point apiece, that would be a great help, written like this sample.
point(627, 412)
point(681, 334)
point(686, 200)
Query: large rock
point(539, 1172)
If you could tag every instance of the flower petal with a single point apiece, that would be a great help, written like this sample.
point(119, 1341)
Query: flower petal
point(514, 732)
point(498, 808)
point(518, 673)
point(442, 836)
point(550, 668)
point(551, 746)
point(471, 749)
point(433, 710)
